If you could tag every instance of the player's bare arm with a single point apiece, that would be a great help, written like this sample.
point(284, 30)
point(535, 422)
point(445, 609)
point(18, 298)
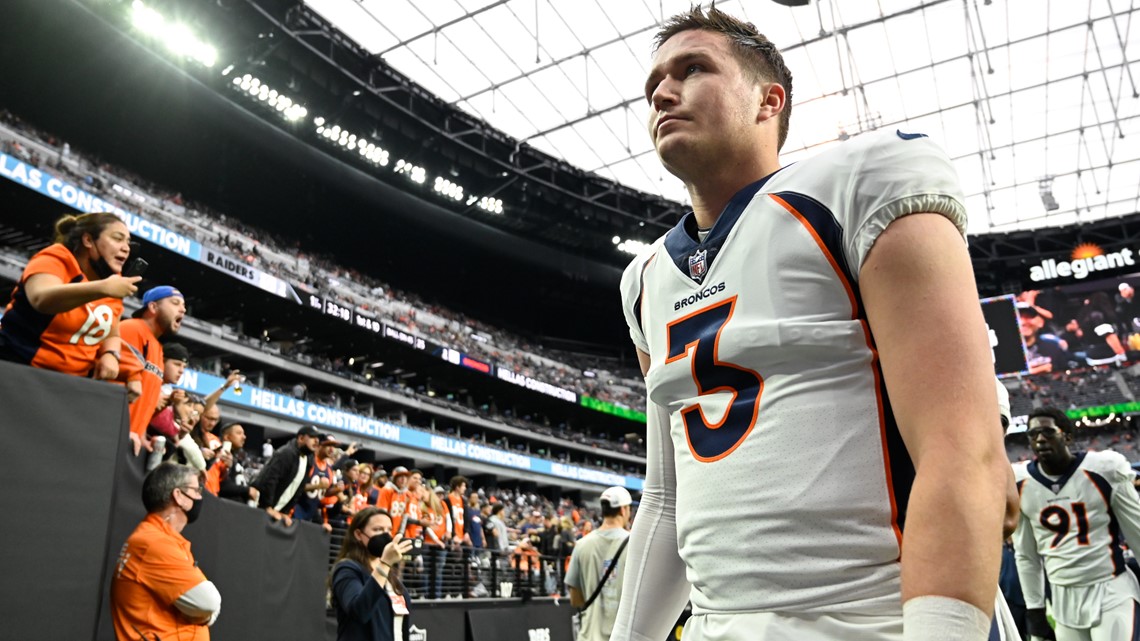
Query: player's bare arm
point(940, 380)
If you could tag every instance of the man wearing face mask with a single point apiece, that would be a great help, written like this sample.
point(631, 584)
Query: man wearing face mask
point(280, 481)
point(158, 591)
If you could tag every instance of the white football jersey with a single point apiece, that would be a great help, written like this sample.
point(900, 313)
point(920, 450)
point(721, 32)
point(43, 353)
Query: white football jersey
point(1074, 526)
point(791, 477)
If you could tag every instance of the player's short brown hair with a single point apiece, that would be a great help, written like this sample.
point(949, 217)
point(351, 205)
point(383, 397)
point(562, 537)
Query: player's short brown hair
point(755, 52)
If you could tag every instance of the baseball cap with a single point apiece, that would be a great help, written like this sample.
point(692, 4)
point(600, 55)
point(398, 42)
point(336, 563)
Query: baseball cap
point(155, 294)
point(1026, 309)
point(380, 472)
point(617, 496)
point(346, 463)
point(329, 439)
point(400, 470)
point(308, 430)
point(439, 489)
point(175, 352)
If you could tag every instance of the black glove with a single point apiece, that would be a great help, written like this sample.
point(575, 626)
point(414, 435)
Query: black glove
point(1037, 625)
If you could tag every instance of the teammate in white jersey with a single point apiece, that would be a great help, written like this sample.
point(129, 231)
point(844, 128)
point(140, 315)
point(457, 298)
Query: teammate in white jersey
point(1075, 507)
point(806, 332)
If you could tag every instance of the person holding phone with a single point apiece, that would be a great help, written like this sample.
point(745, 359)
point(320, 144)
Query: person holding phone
point(64, 313)
point(368, 597)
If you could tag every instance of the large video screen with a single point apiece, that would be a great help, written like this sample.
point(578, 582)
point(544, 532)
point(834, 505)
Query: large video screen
point(1078, 324)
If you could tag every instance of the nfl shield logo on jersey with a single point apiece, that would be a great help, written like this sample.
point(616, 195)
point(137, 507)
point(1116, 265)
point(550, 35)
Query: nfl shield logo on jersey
point(697, 265)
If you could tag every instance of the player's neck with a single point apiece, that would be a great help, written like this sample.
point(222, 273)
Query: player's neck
point(711, 195)
point(1058, 466)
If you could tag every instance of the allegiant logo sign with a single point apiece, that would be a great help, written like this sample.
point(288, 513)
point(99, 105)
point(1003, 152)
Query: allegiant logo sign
point(1087, 259)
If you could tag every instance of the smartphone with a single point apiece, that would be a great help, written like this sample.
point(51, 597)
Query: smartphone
point(227, 447)
point(135, 267)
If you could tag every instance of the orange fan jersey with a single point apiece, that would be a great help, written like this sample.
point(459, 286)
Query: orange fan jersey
point(142, 360)
point(67, 342)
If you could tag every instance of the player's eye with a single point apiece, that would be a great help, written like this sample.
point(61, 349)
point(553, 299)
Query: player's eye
point(692, 69)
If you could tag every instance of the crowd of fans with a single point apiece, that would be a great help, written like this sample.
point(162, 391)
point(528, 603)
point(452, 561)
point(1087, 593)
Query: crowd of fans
point(593, 376)
point(1071, 389)
point(478, 538)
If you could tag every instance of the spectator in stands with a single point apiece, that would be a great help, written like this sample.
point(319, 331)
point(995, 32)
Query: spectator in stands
point(592, 557)
point(438, 528)
point(567, 537)
point(369, 600)
point(497, 534)
point(174, 407)
point(1046, 352)
point(142, 366)
point(375, 483)
point(455, 502)
point(280, 481)
point(211, 415)
point(360, 497)
point(320, 485)
point(473, 520)
point(394, 498)
point(234, 484)
point(347, 478)
point(64, 312)
point(534, 522)
point(158, 591)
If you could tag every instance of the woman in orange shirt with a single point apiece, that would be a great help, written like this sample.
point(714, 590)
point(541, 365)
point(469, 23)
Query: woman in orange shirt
point(437, 518)
point(64, 313)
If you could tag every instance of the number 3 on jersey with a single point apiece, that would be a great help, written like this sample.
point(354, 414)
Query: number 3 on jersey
point(697, 337)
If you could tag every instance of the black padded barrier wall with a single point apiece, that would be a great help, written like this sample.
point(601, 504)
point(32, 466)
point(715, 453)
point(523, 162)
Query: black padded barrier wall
point(63, 436)
point(73, 496)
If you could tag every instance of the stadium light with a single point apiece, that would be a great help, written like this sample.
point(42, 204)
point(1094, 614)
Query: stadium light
point(493, 205)
point(634, 247)
point(448, 188)
point(414, 172)
point(365, 148)
point(178, 38)
point(289, 109)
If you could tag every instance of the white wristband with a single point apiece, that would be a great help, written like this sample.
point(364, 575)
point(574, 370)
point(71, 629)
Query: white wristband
point(940, 618)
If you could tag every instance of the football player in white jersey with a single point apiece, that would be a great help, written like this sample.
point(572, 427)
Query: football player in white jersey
point(806, 331)
point(1075, 507)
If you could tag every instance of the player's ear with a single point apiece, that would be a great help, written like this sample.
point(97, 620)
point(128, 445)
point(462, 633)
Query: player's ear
point(773, 97)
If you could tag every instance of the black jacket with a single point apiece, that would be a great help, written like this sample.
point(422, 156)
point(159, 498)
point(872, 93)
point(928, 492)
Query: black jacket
point(363, 608)
point(230, 487)
point(277, 474)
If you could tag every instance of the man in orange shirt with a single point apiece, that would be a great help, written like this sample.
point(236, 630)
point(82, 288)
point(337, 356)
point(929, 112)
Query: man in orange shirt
point(395, 498)
point(456, 502)
point(158, 592)
point(142, 366)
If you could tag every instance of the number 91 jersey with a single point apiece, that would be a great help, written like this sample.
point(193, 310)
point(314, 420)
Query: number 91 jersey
point(1075, 524)
point(791, 477)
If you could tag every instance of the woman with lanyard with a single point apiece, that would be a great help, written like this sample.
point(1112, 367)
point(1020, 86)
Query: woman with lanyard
point(64, 312)
point(368, 597)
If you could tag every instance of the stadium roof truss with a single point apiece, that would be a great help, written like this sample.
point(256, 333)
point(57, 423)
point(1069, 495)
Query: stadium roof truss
point(1035, 100)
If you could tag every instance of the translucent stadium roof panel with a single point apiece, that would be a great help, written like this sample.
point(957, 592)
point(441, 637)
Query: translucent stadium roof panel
point(1035, 100)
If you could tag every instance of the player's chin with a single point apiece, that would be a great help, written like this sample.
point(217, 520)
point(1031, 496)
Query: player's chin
point(676, 158)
